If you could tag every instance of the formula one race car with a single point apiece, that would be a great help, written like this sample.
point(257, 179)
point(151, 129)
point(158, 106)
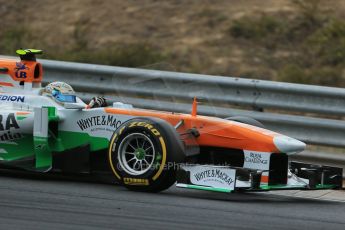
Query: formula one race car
point(143, 150)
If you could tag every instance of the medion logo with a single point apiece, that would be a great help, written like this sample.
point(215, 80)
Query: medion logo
point(12, 98)
point(98, 121)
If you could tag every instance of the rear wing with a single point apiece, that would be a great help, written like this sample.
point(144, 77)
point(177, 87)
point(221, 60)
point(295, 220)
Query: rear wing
point(28, 54)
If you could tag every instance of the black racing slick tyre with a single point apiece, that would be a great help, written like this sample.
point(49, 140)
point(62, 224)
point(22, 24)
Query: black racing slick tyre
point(144, 154)
point(246, 120)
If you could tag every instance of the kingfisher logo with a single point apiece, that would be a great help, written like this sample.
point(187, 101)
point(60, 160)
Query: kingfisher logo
point(12, 98)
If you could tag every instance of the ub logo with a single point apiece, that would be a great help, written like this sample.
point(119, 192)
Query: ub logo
point(20, 70)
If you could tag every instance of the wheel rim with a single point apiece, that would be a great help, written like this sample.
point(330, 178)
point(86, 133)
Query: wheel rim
point(136, 154)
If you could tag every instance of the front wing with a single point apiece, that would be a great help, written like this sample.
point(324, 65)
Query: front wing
point(228, 179)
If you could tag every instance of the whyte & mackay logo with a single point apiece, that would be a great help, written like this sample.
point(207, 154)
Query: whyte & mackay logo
point(214, 174)
point(97, 121)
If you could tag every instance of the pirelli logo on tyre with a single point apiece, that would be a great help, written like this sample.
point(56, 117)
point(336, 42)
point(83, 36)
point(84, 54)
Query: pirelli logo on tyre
point(145, 125)
point(135, 181)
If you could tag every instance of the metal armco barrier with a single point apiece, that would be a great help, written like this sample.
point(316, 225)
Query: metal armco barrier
point(173, 91)
point(215, 89)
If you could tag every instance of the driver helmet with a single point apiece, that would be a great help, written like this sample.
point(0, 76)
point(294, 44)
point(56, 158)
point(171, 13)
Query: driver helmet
point(61, 92)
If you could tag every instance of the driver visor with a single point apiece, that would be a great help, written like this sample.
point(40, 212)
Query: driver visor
point(64, 97)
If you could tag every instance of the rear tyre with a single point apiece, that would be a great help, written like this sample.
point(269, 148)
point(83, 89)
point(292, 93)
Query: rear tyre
point(143, 154)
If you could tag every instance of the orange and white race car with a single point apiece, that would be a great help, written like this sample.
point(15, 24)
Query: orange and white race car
point(52, 130)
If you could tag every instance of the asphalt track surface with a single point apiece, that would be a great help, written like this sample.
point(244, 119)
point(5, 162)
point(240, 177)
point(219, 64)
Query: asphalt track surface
point(50, 202)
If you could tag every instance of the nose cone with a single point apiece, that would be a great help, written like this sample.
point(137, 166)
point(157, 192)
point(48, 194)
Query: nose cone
point(288, 145)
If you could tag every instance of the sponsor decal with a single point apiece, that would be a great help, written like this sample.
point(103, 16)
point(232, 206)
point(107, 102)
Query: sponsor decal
point(216, 177)
point(214, 174)
point(255, 158)
point(20, 70)
point(12, 98)
point(96, 122)
point(7, 125)
point(146, 125)
point(258, 160)
point(10, 136)
point(135, 181)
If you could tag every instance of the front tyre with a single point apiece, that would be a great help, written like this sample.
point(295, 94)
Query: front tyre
point(143, 154)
